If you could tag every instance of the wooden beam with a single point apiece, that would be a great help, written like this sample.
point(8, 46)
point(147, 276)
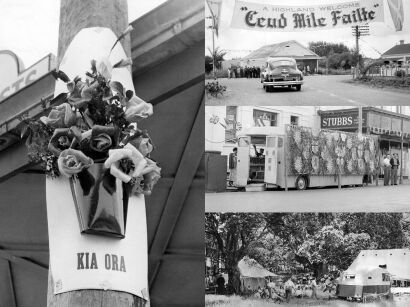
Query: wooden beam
point(11, 283)
point(24, 261)
point(187, 169)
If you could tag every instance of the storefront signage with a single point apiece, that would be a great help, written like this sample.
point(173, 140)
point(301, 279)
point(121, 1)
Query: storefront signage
point(27, 77)
point(264, 17)
point(340, 121)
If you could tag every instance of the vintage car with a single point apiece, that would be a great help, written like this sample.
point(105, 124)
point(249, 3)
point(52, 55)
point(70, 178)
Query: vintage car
point(281, 72)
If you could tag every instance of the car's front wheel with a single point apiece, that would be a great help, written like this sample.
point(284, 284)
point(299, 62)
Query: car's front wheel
point(298, 87)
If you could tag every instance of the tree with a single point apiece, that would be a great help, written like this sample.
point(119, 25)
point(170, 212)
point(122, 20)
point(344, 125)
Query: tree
point(324, 49)
point(232, 234)
point(301, 242)
point(218, 55)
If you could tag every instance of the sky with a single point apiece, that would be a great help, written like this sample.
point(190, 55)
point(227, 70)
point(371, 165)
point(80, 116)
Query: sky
point(239, 43)
point(30, 28)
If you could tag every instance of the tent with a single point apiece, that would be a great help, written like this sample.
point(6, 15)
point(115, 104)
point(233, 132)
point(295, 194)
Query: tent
point(252, 275)
point(369, 268)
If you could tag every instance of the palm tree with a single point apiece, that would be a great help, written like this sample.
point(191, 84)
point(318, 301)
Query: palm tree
point(218, 56)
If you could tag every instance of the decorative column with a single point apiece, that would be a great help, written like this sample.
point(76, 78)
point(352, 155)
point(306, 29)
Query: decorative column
point(96, 270)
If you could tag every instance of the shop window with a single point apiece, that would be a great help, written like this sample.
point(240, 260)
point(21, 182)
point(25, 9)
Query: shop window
point(294, 120)
point(263, 118)
point(385, 277)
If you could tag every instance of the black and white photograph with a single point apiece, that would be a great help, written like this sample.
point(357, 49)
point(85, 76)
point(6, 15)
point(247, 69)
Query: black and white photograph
point(101, 153)
point(299, 52)
point(307, 259)
point(262, 158)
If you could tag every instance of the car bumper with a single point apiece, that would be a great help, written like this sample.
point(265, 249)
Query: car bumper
point(282, 83)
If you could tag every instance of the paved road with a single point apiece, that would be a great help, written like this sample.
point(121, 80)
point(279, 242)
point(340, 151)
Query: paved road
point(371, 199)
point(316, 90)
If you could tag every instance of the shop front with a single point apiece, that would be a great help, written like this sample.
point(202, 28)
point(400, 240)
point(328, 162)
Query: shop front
point(393, 130)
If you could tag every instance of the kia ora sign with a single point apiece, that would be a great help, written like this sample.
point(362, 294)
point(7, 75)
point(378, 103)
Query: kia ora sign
point(341, 121)
point(26, 77)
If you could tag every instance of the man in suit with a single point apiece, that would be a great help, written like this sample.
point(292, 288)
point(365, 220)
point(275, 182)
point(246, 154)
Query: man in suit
point(394, 162)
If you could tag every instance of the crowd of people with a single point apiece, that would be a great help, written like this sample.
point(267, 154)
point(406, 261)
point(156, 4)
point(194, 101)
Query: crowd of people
point(244, 72)
point(280, 291)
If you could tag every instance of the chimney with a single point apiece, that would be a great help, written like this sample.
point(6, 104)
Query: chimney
point(402, 42)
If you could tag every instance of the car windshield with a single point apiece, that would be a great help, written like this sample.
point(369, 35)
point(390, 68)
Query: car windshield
point(276, 64)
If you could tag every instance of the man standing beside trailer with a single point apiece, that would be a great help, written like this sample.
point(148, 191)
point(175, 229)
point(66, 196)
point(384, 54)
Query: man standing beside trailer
point(394, 162)
point(387, 169)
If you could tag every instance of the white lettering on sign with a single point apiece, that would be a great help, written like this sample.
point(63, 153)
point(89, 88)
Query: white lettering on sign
point(27, 77)
point(337, 121)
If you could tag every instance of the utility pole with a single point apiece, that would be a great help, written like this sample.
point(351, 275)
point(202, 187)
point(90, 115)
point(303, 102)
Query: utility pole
point(357, 32)
point(74, 16)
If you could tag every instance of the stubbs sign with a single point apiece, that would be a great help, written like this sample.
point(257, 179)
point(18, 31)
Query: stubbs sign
point(340, 121)
point(262, 17)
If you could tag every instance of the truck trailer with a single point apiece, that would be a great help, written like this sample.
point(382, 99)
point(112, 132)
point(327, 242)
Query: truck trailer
point(303, 157)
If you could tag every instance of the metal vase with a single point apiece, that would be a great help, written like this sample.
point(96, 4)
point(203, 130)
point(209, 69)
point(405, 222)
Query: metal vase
point(101, 202)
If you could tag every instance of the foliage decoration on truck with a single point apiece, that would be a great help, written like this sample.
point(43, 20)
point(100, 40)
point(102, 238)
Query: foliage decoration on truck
point(330, 152)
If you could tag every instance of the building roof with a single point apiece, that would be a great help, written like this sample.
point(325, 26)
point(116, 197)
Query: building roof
point(397, 261)
point(285, 49)
point(250, 268)
point(400, 49)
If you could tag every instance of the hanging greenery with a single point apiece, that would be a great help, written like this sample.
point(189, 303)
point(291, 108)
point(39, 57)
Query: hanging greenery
point(327, 152)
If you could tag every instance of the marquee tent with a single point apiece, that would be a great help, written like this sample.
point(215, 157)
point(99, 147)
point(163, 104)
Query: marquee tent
point(252, 275)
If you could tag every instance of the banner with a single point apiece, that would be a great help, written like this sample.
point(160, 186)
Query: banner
point(397, 13)
point(263, 17)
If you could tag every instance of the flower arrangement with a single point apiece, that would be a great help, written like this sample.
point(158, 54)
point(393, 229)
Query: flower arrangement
point(214, 89)
point(330, 152)
point(95, 122)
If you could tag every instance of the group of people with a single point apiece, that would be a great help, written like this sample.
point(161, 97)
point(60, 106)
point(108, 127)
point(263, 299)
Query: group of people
point(244, 72)
point(216, 281)
point(294, 287)
point(391, 165)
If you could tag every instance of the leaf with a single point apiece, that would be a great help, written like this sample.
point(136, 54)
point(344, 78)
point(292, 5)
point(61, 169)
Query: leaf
point(129, 94)
point(94, 66)
point(59, 99)
point(58, 74)
point(123, 63)
point(25, 131)
point(125, 32)
point(117, 87)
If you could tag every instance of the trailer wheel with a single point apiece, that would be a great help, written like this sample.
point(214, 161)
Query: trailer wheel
point(301, 183)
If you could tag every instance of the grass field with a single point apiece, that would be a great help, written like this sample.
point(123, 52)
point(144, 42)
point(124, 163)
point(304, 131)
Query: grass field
point(238, 301)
